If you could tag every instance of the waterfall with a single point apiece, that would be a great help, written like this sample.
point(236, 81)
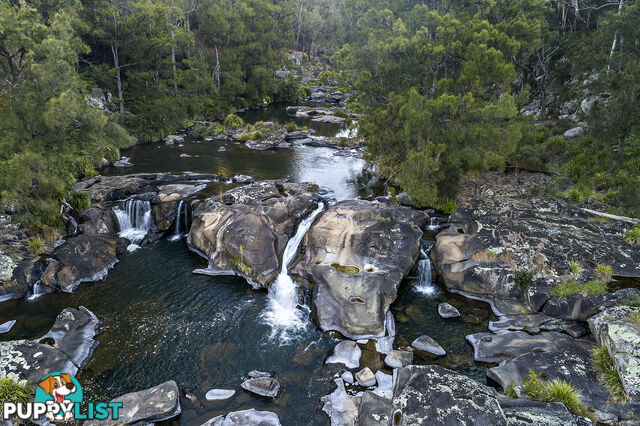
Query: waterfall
point(425, 284)
point(38, 290)
point(134, 220)
point(282, 311)
point(434, 224)
point(176, 234)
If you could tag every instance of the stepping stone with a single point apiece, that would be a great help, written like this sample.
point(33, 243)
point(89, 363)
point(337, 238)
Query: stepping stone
point(365, 377)
point(219, 394)
point(263, 386)
point(447, 311)
point(398, 359)
point(347, 353)
point(6, 327)
point(427, 344)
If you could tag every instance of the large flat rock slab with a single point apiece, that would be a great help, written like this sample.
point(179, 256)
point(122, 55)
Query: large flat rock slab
point(151, 405)
point(67, 347)
point(247, 229)
point(357, 254)
point(507, 225)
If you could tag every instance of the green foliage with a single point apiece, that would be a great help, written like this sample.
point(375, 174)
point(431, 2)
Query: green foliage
point(233, 121)
point(510, 391)
point(256, 136)
point(14, 390)
point(633, 235)
point(555, 391)
point(201, 131)
point(219, 129)
point(291, 126)
point(238, 263)
point(523, 279)
point(80, 200)
point(576, 268)
point(244, 137)
point(35, 245)
point(591, 288)
point(604, 272)
point(604, 365)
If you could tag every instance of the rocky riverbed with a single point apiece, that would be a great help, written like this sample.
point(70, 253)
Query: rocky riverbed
point(380, 342)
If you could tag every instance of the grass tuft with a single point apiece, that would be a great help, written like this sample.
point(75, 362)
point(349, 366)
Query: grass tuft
point(604, 364)
point(555, 391)
point(591, 288)
point(14, 390)
point(633, 235)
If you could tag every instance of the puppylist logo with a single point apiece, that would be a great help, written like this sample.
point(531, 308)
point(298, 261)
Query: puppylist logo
point(59, 399)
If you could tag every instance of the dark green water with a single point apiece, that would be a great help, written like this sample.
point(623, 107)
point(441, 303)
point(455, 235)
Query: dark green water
point(162, 322)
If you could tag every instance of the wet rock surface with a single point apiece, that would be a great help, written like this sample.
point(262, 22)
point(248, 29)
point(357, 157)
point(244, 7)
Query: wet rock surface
point(427, 344)
point(246, 417)
point(247, 231)
point(263, 386)
point(66, 347)
point(357, 253)
point(147, 406)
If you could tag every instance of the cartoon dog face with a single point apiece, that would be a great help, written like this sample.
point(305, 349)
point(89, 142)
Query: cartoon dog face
point(58, 386)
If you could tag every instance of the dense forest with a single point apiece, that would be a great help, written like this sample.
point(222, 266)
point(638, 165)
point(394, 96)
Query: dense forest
point(447, 87)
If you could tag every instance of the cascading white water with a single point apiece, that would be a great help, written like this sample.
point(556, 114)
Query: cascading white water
point(282, 312)
point(134, 220)
point(425, 277)
point(176, 234)
point(434, 223)
point(38, 290)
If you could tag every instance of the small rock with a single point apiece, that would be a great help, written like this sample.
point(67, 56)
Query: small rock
point(447, 311)
point(574, 133)
point(365, 377)
point(384, 345)
point(242, 179)
point(263, 386)
point(427, 344)
point(347, 353)
point(222, 149)
point(173, 139)
point(398, 359)
point(185, 156)
point(347, 376)
point(5, 327)
point(254, 374)
point(245, 417)
point(218, 394)
point(362, 341)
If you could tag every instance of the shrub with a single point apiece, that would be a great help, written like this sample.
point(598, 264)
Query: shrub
point(201, 131)
point(249, 128)
point(245, 137)
point(35, 245)
point(291, 126)
point(233, 121)
point(256, 136)
point(80, 200)
point(594, 288)
point(604, 272)
point(14, 390)
point(555, 391)
point(447, 206)
point(219, 129)
point(340, 113)
point(604, 365)
point(575, 267)
point(523, 279)
point(633, 235)
point(89, 172)
point(260, 124)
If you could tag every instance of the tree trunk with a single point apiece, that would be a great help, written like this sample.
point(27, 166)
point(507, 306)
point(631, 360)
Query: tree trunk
point(217, 70)
point(116, 64)
point(615, 38)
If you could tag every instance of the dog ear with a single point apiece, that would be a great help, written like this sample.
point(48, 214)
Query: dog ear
point(66, 377)
point(47, 384)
